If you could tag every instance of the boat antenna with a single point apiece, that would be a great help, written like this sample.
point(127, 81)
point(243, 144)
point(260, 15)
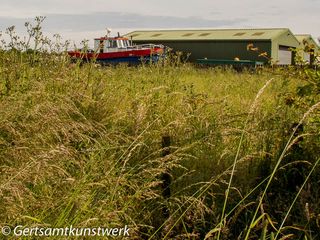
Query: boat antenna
point(108, 32)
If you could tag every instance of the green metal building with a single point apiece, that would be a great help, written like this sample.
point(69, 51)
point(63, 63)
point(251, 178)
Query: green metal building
point(226, 44)
point(308, 48)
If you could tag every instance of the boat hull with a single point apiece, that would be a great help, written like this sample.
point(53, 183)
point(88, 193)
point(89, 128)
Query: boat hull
point(124, 56)
point(131, 60)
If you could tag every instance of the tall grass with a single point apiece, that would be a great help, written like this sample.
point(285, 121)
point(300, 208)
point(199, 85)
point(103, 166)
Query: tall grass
point(80, 145)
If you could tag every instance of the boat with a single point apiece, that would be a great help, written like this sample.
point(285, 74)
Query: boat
point(113, 50)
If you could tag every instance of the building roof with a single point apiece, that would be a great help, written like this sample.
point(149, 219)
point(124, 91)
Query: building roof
point(306, 38)
point(302, 37)
point(209, 34)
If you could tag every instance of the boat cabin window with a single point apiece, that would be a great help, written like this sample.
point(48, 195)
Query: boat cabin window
point(123, 43)
point(113, 43)
point(120, 44)
point(126, 43)
point(102, 45)
point(107, 44)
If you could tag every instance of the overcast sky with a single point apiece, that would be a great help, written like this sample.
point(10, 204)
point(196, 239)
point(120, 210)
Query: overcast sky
point(87, 19)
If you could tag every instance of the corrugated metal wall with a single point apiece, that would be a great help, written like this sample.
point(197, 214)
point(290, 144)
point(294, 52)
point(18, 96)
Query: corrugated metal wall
point(218, 49)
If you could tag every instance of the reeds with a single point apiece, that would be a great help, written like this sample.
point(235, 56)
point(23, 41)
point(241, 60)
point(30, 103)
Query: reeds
point(81, 145)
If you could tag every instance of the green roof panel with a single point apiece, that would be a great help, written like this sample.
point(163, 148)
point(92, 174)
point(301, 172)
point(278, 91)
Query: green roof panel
point(209, 34)
point(306, 38)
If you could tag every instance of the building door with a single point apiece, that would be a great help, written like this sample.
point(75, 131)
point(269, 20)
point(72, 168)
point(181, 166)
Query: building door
point(285, 55)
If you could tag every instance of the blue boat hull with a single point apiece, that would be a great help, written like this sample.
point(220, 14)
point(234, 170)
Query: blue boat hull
point(130, 60)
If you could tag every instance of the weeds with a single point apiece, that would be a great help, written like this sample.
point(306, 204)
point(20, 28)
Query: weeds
point(81, 145)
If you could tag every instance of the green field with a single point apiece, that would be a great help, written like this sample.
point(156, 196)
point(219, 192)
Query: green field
point(81, 145)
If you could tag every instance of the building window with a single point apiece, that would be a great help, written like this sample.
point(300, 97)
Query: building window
point(187, 34)
point(238, 34)
point(156, 35)
point(257, 34)
point(204, 34)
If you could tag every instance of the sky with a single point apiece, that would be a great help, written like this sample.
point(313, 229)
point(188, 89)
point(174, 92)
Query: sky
point(77, 20)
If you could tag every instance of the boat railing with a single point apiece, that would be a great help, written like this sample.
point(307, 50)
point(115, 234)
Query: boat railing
point(149, 45)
